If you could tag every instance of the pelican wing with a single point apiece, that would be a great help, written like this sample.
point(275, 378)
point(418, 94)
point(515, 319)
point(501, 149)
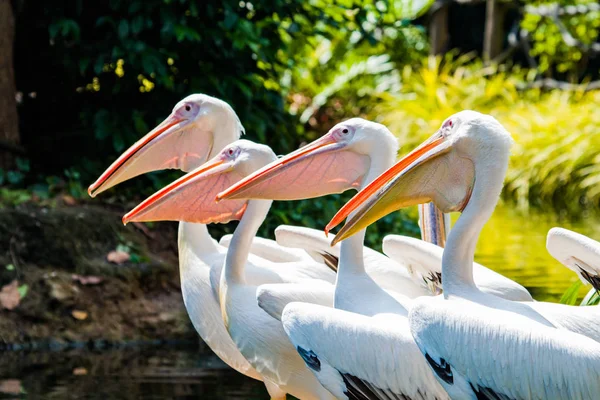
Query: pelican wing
point(480, 352)
point(359, 357)
point(269, 250)
point(424, 262)
point(576, 252)
point(389, 274)
point(582, 320)
point(273, 297)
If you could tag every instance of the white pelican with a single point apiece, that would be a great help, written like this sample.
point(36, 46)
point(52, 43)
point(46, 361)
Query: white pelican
point(343, 346)
point(352, 154)
point(260, 338)
point(577, 252)
point(480, 346)
point(197, 129)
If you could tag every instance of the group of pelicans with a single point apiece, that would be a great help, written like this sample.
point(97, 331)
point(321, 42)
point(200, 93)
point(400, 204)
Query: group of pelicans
point(321, 316)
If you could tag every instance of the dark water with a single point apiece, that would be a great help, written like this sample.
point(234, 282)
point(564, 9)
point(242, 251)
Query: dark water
point(159, 373)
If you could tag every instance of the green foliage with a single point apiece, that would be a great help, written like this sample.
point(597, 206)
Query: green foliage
point(114, 69)
point(591, 299)
point(548, 45)
point(556, 154)
point(570, 296)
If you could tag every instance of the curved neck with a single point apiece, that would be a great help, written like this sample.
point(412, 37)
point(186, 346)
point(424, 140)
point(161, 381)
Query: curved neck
point(458, 257)
point(351, 251)
point(196, 237)
point(239, 248)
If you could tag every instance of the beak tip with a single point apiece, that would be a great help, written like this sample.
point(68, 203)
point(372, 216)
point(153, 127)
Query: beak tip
point(91, 191)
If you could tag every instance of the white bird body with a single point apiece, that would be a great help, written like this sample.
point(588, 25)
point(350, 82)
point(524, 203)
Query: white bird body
point(272, 250)
point(201, 261)
point(492, 352)
point(479, 345)
point(388, 273)
point(360, 357)
point(259, 338)
point(197, 129)
point(424, 259)
point(314, 329)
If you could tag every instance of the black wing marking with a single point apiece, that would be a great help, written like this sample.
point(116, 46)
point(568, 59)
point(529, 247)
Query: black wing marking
point(330, 260)
point(593, 279)
point(310, 358)
point(358, 389)
point(486, 393)
point(442, 369)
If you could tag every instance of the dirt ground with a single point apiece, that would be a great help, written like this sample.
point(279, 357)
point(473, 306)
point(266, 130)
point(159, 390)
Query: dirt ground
point(71, 294)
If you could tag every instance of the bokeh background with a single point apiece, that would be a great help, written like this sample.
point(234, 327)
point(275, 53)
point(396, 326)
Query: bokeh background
point(81, 81)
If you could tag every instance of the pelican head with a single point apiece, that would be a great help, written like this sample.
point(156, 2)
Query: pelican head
point(198, 126)
point(470, 151)
point(191, 198)
point(334, 163)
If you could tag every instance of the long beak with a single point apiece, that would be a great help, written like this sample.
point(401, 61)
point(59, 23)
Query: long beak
point(191, 197)
point(431, 172)
point(174, 143)
point(322, 167)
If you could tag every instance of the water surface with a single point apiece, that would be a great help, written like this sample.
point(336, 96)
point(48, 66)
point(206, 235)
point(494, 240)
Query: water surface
point(157, 373)
point(513, 243)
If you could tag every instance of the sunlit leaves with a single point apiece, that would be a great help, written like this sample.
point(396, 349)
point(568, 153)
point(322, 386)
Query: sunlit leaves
point(555, 157)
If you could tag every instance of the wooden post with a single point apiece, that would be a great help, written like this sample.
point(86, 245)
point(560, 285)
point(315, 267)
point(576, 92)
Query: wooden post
point(9, 122)
point(493, 35)
point(438, 29)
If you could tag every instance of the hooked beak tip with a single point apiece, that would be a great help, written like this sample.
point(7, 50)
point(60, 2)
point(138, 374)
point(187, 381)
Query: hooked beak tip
point(90, 191)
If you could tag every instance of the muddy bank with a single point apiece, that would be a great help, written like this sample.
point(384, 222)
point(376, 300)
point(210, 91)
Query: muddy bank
point(68, 292)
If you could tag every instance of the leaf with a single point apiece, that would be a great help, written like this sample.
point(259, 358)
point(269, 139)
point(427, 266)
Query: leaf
point(23, 289)
point(123, 29)
point(69, 200)
point(10, 296)
point(79, 315)
point(117, 257)
point(84, 63)
point(11, 386)
point(10, 267)
point(14, 177)
point(230, 19)
point(570, 296)
point(87, 280)
point(80, 371)
point(137, 24)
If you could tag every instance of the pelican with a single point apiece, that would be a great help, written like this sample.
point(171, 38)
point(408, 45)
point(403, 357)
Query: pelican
point(384, 361)
point(197, 129)
point(260, 339)
point(478, 345)
point(577, 252)
point(351, 155)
